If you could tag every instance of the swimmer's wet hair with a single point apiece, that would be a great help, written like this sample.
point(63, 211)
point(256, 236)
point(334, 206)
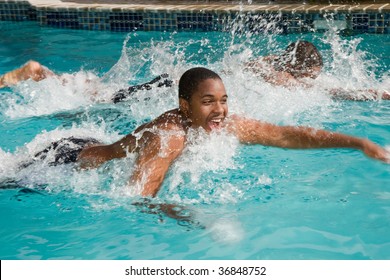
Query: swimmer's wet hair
point(191, 79)
point(300, 55)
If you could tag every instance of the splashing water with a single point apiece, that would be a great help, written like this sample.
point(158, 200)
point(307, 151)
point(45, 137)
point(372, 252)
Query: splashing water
point(204, 154)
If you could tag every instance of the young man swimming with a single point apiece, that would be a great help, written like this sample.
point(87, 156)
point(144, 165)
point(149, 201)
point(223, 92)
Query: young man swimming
point(203, 104)
point(298, 66)
point(37, 72)
point(300, 60)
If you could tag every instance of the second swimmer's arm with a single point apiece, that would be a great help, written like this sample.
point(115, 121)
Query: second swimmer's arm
point(360, 94)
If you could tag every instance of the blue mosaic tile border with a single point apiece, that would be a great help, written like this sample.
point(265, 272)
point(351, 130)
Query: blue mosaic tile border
point(162, 20)
point(16, 11)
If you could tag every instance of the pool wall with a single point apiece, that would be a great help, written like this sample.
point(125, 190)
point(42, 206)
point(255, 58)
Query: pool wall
point(289, 18)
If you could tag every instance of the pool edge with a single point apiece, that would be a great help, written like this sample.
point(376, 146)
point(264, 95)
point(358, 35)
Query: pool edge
point(291, 18)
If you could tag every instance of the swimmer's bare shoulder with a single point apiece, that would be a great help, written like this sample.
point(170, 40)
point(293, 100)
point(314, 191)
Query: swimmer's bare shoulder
point(166, 131)
point(170, 120)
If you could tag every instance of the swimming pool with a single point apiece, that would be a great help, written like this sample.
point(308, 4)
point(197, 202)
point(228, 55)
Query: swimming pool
point(247, 202)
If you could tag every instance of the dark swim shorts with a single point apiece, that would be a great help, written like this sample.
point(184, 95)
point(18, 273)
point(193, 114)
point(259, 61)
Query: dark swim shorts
point(160, 81)
point(63, 151)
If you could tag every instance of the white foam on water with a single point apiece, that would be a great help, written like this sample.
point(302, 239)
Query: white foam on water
point(252, 97)
point(350, 68)
point(8, 165)
point(205, 152)
point(264, 180)
point(51, 95)
point(387, 148)
point(225, 230)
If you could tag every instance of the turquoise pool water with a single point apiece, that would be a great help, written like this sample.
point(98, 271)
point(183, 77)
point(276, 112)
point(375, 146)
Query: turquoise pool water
point(247, 202)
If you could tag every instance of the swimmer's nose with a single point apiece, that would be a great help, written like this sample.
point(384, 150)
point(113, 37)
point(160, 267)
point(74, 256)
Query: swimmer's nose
point(218, 107)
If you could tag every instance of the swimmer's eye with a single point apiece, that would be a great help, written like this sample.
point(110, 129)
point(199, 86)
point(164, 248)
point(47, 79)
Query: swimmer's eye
point(207, 101)
point(210, 101)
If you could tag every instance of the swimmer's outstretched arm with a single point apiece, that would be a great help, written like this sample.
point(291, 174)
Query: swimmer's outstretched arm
point(94, 156)
point(255, 132)
point(359, 95)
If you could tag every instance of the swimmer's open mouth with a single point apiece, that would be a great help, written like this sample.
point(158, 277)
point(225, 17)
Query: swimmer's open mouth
point(215, 124)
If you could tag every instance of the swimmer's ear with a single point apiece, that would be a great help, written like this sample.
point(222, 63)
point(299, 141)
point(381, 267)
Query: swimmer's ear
point(184, 106)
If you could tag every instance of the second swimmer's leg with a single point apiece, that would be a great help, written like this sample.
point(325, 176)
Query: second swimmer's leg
point(160, 81)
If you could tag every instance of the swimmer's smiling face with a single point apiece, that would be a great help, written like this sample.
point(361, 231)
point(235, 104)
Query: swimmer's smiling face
point(207, 107)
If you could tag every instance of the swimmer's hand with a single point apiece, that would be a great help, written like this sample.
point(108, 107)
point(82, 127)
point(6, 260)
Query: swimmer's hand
point(359, 94)
point(182, 214)
point(374, 151)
